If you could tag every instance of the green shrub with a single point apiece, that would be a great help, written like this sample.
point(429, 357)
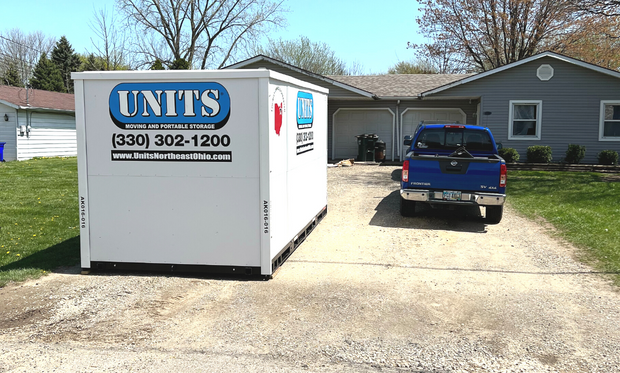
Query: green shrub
point(510, 155)
point(608, 157)
point(539, 154)
point(575, 153)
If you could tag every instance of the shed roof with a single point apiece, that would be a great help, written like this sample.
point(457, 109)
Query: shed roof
point(399, 85)
point(36, 99)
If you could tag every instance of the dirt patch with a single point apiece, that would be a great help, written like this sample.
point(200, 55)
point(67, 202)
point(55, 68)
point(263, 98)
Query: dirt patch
point(367, 291)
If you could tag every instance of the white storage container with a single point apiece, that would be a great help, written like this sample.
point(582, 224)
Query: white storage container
point(217, 171)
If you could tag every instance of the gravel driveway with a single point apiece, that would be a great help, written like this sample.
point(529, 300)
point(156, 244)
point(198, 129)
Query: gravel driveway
point(367, 291)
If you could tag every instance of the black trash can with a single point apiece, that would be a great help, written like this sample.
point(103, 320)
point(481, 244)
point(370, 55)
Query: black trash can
point(380, 151)
point(371, 140)
point(361, 147)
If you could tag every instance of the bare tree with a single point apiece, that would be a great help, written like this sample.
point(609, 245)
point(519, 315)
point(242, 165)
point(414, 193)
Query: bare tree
point(205, 33)
point(609, 8)
point(485, 34)
point(110, 42)
point(23, 50)
point(596, 39)
point(441, 57)
point(412, 67)
point(315, 57)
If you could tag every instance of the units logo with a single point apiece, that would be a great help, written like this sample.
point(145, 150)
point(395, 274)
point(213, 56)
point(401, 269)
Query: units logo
point(305, 110)
point(184, 106)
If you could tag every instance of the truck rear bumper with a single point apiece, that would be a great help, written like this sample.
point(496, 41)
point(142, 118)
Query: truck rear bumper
point(436, 196)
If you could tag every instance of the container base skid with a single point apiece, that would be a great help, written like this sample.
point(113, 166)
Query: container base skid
point(234, 271)
point(295, 242)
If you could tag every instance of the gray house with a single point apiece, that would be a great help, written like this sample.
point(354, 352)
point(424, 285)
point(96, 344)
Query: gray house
point(547, 99)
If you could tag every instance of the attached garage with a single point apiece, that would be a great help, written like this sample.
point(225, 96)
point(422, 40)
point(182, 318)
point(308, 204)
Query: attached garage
point(378, 104)
point(411, 117)
point(348, 123)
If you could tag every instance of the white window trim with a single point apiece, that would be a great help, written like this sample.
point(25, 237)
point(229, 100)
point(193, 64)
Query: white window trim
point(601, 123)
point(538, 104)
point(545, 66)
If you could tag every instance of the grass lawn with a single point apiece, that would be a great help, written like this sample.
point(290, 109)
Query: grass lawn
point(584, 208)
point(38, 217)
point(39, 214)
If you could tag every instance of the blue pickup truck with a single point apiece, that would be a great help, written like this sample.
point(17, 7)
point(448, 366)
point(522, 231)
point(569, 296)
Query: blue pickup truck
point(453, 164)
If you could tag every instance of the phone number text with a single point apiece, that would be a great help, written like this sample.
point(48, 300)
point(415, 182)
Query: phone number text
point(146, 140)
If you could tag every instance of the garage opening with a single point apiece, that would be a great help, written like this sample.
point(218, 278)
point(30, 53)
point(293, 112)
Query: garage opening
point(410, 118)
point(348, 123)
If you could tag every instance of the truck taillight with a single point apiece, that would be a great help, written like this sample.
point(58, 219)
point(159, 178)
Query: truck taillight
point(453, 126)
point(502, 176)
point(406, 171)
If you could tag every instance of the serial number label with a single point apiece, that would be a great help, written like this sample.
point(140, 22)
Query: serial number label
point(147, 140)
point(265, 217)
point(82, 212)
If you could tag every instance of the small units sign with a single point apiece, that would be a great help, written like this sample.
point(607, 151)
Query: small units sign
point(305, 118)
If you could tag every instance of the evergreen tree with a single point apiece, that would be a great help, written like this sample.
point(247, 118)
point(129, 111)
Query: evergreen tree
point(157, 65)
point(11, 76)
point(180, 64)
point(46, 76)
point(67, 61)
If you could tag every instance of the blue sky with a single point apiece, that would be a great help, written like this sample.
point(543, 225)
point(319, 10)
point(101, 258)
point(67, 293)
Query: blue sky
point(359, 31)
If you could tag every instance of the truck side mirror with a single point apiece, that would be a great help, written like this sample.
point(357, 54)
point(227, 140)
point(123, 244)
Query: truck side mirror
point(408, 140)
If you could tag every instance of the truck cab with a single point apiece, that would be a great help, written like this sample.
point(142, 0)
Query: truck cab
point(453, 164)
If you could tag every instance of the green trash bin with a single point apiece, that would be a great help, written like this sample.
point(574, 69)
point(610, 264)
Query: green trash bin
point(366, 147)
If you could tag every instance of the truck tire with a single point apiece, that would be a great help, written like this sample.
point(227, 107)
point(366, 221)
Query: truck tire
point(407, 208)
point(494, 214)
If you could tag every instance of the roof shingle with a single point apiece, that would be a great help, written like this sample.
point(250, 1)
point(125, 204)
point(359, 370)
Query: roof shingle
point(399, 85)
point(37, 99)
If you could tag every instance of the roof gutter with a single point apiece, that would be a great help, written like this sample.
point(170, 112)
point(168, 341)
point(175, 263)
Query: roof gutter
point(44, 109)
point(9, 104)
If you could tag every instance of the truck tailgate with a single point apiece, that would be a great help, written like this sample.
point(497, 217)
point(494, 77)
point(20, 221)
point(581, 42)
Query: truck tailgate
point(452, 173)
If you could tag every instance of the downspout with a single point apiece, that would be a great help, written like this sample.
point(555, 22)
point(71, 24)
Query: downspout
point(398, 132)
point(16, 132)
point(28, 124)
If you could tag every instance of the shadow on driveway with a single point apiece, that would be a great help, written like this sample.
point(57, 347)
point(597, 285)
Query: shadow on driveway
point(448, 218)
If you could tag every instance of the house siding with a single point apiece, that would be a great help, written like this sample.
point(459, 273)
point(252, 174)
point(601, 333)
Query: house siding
point(51, 135)
point(7, 133)
point(570, 105)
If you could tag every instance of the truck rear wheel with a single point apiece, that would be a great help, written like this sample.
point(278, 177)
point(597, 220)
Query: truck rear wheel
point(407, 208)
point(494, 214)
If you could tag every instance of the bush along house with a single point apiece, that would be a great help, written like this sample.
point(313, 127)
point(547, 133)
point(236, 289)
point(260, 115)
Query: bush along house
point(547, 99)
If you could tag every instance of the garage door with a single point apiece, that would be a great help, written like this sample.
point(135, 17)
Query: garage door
point(412, 117)
point(349, 123)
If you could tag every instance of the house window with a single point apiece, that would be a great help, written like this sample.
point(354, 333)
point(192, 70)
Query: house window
point(525, 119)
point(609, 128)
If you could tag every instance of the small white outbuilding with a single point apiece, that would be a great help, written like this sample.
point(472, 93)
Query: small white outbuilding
point(36, 123)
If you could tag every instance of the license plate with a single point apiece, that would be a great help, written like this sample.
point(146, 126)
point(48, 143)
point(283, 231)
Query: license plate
point(451, 195)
